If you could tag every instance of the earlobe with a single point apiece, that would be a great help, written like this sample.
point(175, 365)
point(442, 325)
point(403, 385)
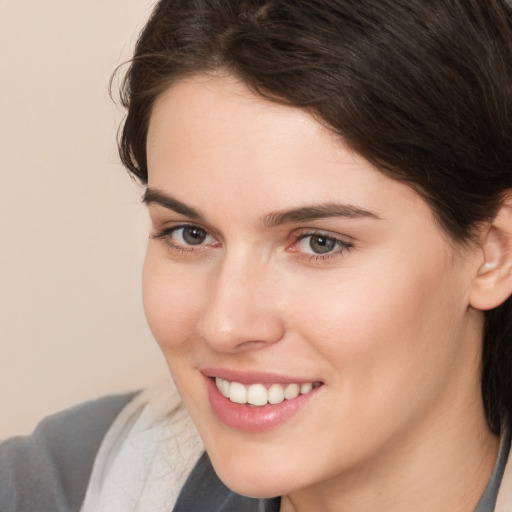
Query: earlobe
point(493, 282)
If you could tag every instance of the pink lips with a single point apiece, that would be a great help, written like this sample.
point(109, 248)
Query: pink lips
point(253, 419)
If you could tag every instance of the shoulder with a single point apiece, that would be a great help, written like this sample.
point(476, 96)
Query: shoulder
point(146, 456)
point(50, 469)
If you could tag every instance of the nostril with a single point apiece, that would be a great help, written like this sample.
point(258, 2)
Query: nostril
point(253, 345)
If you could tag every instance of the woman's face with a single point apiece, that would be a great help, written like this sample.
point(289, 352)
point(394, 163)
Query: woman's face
point(284, 263)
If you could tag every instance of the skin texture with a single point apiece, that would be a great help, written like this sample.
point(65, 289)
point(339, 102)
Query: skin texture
point(384, 320)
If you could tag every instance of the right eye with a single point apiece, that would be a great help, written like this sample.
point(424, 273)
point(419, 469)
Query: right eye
point(186, 237)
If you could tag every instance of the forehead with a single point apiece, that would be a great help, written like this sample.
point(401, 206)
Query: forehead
point(210, 137)
point(207, 111)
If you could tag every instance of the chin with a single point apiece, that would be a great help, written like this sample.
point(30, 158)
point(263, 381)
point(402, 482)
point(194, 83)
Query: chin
point(253, 485)
point(249, 475)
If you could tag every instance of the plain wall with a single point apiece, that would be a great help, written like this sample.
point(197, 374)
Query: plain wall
point(72, 229)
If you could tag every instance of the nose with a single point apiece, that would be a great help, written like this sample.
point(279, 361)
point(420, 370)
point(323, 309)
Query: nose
point(241, 311)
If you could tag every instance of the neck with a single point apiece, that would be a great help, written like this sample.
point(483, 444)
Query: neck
point(442, 469)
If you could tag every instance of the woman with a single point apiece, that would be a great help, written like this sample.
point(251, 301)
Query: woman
point(329, 268)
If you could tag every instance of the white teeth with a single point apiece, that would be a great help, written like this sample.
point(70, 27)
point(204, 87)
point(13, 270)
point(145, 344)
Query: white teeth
point(223, 386)
point(306, 388)
point(258, 394)
point(275, 394)
point(291, 391)
point(238, 393)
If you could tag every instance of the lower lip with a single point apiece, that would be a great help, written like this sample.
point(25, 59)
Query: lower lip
point(254, 419)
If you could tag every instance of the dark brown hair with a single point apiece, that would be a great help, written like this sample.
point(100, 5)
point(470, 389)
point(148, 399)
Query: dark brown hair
point(420, 88)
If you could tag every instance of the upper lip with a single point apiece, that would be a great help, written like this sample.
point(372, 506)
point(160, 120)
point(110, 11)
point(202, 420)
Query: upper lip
point(254, 377)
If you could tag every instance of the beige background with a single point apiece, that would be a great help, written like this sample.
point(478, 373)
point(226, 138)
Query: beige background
point(72, 230)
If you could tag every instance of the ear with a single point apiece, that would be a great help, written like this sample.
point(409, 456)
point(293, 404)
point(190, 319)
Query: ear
point(493, 283)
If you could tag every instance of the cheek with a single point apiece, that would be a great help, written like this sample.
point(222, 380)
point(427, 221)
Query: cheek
point(171, 302)
point(387, 330)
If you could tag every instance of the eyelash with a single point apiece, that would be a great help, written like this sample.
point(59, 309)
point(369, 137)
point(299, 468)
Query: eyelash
point(166, 234)
point(340, 246)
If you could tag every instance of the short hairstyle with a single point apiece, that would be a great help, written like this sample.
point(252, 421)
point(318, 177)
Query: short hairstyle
point(420, 88)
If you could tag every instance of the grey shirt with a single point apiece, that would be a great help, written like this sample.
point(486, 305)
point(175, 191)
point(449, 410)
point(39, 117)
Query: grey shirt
point(49, 471)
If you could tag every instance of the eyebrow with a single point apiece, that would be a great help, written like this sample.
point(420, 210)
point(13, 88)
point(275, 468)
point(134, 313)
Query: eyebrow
point(320, 211)
point(154, 196)
point(300, 214)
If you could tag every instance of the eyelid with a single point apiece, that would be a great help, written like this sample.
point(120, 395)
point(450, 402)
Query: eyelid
point(164, 228)
point(166, 232)
point(344, 244)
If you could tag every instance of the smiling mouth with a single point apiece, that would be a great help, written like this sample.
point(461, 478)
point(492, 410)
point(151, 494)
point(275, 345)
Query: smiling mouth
point(261, 394)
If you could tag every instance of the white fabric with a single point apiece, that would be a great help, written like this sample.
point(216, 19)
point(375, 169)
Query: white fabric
point(146, 455)
point(150, 450)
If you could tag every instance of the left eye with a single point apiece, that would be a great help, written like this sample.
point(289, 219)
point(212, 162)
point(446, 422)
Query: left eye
point(320, 244)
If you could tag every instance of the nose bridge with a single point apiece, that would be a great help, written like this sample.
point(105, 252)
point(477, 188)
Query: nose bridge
point(241, 309)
